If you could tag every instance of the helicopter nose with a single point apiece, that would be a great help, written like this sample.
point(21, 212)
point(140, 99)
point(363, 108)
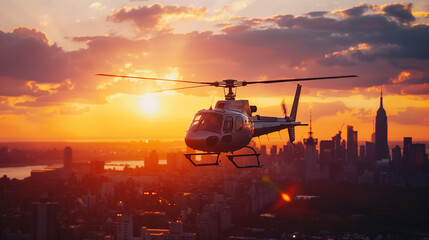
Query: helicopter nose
point(201, 142)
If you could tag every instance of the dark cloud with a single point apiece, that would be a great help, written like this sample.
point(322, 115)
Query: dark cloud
point(401, 12)
point(235, 28)
point(317, 13)
point(29, 58)
point(11, 87)
point(410, 88)
point(411, 116)
point(358, 10)
point(149, 17)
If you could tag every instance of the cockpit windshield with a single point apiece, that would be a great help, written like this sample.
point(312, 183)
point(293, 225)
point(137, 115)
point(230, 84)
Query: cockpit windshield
point(195, 122)
point(211, 122)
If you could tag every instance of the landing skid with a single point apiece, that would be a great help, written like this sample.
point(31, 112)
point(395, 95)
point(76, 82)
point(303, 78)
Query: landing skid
point(230, 158)
point(189, 157)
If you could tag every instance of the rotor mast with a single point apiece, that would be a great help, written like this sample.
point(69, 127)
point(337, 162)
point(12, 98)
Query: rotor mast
point(231, 85)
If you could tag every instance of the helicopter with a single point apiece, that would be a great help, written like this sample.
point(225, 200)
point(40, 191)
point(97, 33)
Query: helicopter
point(230, 125)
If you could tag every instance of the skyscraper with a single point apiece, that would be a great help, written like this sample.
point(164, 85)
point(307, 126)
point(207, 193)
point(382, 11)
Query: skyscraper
point(45, 223)
point(310, 151)
point(124, 227)
point(352, 146)
point(338, 147)
point(327, 153)
point(408, 141)
point(381, 147)
point(68, 159)
point(397, 159)
point(151, 162)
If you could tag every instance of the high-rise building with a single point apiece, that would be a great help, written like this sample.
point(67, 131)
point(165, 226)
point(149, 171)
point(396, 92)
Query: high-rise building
point(397, 160)
point(339, 148)
point(381, 147)
point(44, 218)
point(352, 146)
point(310, 151)
point(124, 229)
point(361, 153)
point(174, 161)
point(273, 154)
point(327, 153)
point(151, 162)
point(68, 159)
point(370, 153)
point(408, 141)
point(418, 154)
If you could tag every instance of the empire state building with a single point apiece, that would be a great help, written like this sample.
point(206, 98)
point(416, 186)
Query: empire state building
point(381, 147)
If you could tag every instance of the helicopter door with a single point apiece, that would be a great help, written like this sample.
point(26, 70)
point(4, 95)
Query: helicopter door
point(227, 125)
point(227, 129)
point(238, 124)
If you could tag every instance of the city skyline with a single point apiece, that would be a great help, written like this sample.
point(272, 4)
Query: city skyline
point(49, 58)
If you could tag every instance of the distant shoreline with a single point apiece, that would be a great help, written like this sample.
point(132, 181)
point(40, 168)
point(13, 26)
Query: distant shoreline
point(17, 165)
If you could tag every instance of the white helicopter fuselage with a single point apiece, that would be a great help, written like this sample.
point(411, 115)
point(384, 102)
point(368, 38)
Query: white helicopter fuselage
point(219, 130)
point(230, 126)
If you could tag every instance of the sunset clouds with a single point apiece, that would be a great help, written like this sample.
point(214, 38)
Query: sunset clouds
point(383, 44)
point(156, 16)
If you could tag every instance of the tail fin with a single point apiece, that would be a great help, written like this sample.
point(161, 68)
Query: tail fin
point(291, 131)
point(295, 104)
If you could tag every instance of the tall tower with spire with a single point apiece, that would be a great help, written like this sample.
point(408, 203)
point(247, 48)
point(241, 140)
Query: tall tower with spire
point(381, 147)
point(310, 151)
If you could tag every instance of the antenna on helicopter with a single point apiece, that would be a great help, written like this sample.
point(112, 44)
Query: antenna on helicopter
point(211, 104)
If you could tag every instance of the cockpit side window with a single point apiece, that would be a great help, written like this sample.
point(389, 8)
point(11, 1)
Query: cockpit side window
point(238, 123)
point(227, 126)
point(195, 122)
point(211, 122)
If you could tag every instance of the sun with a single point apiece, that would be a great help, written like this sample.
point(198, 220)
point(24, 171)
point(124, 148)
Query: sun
point(149, 104)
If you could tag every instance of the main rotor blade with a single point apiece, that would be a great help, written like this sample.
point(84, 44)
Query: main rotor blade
point(155, 79)
point(297, 79)
point(173, 89)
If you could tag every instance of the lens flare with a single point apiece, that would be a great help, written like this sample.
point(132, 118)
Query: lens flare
point(286, 197)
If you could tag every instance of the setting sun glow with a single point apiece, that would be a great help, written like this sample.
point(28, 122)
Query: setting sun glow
point(149, 104)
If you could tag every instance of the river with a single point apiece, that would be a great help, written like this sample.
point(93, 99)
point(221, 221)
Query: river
point(25, 171)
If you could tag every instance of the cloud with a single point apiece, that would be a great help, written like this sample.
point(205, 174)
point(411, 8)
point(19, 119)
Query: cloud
point(317, 13)
point(31, 58)
point(411, 116)
point(31, 32)
point(7, 109)
point(154, 17)
point(12, 88)
point(236, 28)
point(96, 5)
point(371, 44)
point(358, 10)
point(401, 12)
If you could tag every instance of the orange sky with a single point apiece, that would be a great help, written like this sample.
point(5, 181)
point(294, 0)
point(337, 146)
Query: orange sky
point(48, 62)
